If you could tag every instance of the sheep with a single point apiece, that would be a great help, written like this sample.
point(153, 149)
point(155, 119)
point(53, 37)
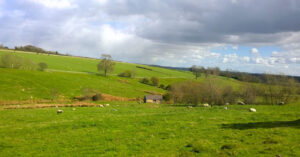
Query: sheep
point(106, 104)
point(101, 105)
point(206, 105)
point(189, 107)
point(240, 103)
point(281, 103)
point(227, 103)
point(74, 109)
point(252, 109)
point(225, 108)
point(59, 111)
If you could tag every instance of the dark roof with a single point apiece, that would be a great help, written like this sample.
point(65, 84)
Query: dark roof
point(154, 97)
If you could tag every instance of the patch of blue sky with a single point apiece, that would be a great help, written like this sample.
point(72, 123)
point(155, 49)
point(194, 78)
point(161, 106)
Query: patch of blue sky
point(243, 50)
point(112, 24)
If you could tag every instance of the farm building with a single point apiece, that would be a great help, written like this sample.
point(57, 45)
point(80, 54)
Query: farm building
point(153, 99)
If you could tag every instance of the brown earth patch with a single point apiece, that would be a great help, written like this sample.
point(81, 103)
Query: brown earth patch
point(77, 104)
point(108, 97)
point(124, 81)
point(20, 102)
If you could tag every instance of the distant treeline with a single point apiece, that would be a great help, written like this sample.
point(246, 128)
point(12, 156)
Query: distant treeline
point(242, 76)
point(249, 77)
point(31, 48)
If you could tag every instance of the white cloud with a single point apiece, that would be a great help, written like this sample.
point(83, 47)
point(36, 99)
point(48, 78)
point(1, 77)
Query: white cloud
point(225, 60)
point(59, 4)
point(235, 47)
point(294, 60)
point(246, 59)
point(254, 51)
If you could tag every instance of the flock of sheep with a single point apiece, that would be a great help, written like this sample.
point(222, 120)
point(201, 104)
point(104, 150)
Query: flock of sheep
point(226, 108)
point(204, 105)
point(100, 105)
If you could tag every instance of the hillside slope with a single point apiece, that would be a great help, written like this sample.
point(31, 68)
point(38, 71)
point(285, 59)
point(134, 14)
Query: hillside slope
point(67, 76)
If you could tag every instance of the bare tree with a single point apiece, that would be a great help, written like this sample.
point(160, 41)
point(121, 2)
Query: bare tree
point(106, 64)
point(196, 70)
point(279, 88)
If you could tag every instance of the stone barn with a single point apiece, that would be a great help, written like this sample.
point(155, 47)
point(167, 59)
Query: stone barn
point(153, 99)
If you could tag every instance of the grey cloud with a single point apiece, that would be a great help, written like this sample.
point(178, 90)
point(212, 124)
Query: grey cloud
point(171, 32)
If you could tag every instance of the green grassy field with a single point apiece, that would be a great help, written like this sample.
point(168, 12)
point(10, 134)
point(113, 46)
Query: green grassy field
point(69, 75)
point(129, 129)
point(86, 65)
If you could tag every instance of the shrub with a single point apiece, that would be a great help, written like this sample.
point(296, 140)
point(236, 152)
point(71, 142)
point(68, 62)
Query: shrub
point(145, 80)
point(167, 97)
point(155, 81)
point(97, 97)
point(43, 66)
point(127, 73)
point(16, 62)
point(249, 94)
point(11, 61)
point(194, 93)
point(168, 87)
point(162, 86)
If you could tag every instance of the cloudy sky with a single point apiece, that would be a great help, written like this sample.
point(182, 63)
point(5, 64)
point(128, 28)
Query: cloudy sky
point(244, 35)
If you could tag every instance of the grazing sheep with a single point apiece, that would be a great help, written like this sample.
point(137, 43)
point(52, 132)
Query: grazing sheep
point(189, 106)
point(101, 105)
point(206, 105)
point(59, 111)
point(281, 103)
point(227, 103)
point(240, 103)
point(252, 110)
point(107, 105)
point(225, 108)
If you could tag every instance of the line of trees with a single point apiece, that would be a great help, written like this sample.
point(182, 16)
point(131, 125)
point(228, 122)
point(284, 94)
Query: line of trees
point(198, 70)
point(276, 91)
point(31, 48)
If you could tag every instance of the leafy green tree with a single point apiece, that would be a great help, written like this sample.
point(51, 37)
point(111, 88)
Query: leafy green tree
point(106, 64)
point(155, 81)
point(43, 66)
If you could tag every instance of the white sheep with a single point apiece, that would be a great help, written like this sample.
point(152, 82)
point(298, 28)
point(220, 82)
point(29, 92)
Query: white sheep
point(101, 105)
point(225, 108)
point(190, 107)
point(206, 105)
point(252, 110)
point(59, 111)
point(107, 105)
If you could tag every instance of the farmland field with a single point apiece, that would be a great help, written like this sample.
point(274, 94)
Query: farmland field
point(130, 129)
point(69, 75)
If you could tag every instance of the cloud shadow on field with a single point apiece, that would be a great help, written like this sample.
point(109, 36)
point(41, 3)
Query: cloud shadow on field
point(256, 125)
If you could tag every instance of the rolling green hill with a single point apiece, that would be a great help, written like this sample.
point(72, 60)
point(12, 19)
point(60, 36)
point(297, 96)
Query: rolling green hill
point(67, 76)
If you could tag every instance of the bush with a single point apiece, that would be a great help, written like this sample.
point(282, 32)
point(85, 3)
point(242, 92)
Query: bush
point(167, 97)
point(168, 87)
point(11, 61)
point(162, 86)
point(194, 93)
point(127, 73)
point(249, 94)
point(43, 66)
point(145, 80)
point(155, 81)
point(16, 62)
point(97, 97)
